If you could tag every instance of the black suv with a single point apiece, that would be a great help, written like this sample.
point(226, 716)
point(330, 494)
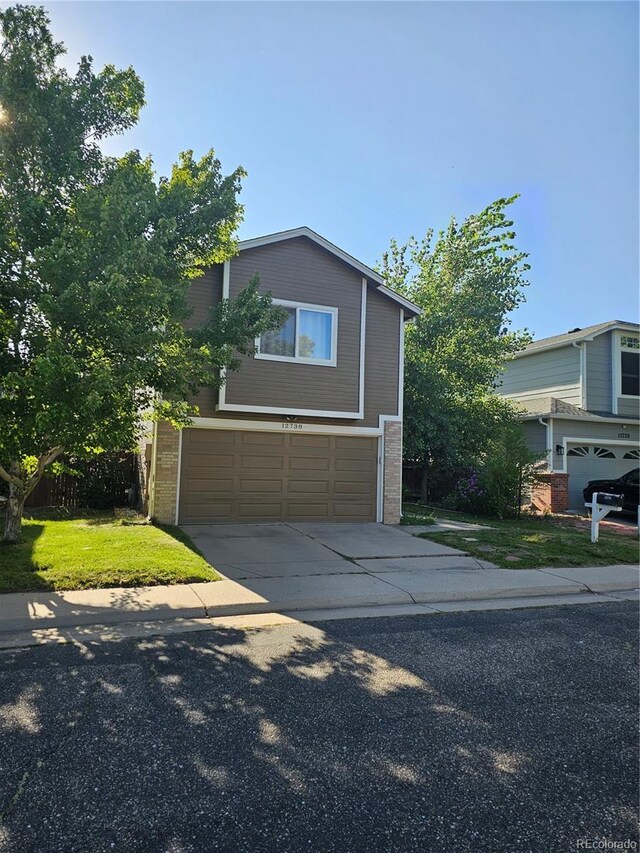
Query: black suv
point(626, 485)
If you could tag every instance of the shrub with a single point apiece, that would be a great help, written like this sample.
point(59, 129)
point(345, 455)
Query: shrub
point(504, 474)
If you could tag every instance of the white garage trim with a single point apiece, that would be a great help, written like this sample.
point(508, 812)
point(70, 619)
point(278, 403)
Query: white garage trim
point(282, 426)
point(317, 429)
point(600, 441)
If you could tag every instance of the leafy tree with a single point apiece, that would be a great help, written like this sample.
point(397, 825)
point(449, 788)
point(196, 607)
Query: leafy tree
point(467, 281)
point(96, 257)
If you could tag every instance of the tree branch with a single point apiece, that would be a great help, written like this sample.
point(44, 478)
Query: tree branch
point(7, 477)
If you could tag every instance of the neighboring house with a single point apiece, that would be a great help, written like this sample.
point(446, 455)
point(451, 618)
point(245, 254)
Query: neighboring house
point(581, 395)
point(310, 428)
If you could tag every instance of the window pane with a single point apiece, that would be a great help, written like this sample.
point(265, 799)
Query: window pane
point(281, 341)
point(314, 334)
point(631, 373)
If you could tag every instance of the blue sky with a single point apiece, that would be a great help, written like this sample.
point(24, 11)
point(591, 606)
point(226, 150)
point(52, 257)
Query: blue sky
point(368, 120)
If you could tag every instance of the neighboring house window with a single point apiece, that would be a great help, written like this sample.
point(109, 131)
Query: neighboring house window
point(309, 335)
point(629, 342)
point(629, 366)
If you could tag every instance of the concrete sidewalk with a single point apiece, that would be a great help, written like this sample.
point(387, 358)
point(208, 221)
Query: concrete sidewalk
point(385, 585)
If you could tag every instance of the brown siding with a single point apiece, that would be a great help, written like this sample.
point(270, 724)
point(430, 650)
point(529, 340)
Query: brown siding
point(278, 384)
point(299, 270)
point(382, 351)
point(203, 294)
point(229, 475)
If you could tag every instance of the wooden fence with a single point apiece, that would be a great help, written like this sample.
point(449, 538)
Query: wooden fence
point(101, 482)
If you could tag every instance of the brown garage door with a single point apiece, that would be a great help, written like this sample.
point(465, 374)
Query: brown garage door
point(234, 475)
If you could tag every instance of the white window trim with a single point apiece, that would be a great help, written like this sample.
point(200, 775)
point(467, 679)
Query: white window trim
point(296, 359)
point(618, 349)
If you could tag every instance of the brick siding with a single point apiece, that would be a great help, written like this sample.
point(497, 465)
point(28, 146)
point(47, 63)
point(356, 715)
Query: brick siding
point(392, 499)
point(166, 474)
point(551, 492)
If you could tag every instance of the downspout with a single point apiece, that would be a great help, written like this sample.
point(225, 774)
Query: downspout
point(581, 346)
point(548, 425)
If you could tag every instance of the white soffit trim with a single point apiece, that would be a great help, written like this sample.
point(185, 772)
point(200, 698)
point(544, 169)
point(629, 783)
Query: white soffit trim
point(280, 426)
point(270, 410)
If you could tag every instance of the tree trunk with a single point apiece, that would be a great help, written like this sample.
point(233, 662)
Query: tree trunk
point(424, 486)
point(13, 516)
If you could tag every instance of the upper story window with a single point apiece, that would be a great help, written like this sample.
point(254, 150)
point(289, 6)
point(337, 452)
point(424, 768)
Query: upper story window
point(309, 335)
point(629, 366)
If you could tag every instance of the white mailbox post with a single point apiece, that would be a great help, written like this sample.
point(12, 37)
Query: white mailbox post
point(601, 505)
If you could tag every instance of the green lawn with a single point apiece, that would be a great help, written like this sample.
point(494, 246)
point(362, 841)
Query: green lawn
point(535, 542)
point(98, 550)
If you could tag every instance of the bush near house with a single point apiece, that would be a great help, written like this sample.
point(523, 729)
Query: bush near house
point(497, 485)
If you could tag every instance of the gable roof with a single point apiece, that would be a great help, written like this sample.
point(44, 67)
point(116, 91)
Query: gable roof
point(371, 275)
point(577, 335)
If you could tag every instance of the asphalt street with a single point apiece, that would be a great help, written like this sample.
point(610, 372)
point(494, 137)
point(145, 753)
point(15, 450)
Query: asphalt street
point(495, 731)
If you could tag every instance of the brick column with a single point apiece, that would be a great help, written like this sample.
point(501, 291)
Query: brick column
point(165, 481)
point(551, 492)
point(392, 480)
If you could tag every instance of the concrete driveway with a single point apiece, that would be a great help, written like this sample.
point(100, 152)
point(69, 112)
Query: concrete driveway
point(244, 551)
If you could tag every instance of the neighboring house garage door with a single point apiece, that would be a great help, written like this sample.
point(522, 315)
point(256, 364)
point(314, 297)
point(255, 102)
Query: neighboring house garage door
point(596, 462)
point(236, 475)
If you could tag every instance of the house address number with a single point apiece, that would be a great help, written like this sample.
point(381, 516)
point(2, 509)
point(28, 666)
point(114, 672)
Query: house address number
point(624, 435)
point(291, 426)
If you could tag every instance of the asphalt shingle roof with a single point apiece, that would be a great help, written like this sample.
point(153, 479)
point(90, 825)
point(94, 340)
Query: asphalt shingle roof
point(576, 335)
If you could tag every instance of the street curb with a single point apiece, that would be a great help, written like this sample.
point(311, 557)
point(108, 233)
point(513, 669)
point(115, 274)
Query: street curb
point(393, 596)
point(80, 635)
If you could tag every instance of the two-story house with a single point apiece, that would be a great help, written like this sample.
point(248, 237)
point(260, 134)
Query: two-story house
point(581, 395)
point(310, 427)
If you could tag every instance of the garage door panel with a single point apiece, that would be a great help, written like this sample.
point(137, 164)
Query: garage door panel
point(296, 441)
point(254, 476)
point(309, 463)
point(261, 439)
point(313, 487)
point(213, 510)
point(194, 462)
point(299, 511)
point(360, 465)
point(359, 511)
point(343, 442)
point(253, 511)
point(352, 488)
point(272, 487)
point(261, 463)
